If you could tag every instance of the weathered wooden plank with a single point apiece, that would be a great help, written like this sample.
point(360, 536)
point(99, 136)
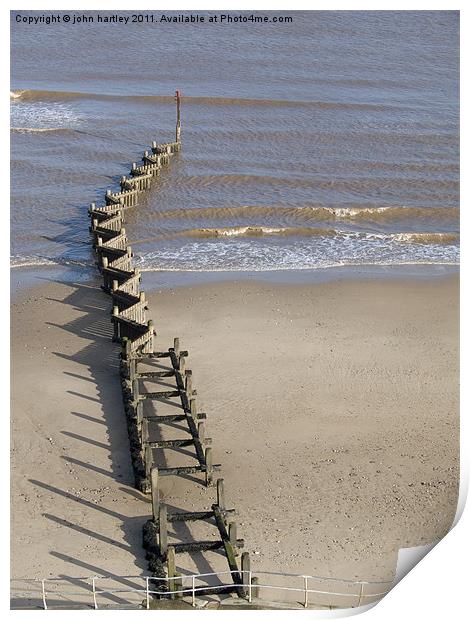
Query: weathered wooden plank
point(139, 327)
point(229, 549)
point(201, 545)
point(203, 515)
point(192, 469)
point(161, 395)
point(156, 374)
point(173, 417)
point(123, 299)
point(170, 443)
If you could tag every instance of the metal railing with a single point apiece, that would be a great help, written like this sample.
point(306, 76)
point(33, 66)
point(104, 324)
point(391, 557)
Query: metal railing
point(312, 590)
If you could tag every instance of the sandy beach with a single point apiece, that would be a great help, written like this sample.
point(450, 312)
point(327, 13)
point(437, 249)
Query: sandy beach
point(333, 409)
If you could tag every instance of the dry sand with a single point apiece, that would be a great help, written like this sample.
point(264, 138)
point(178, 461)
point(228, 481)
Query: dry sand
point(333, 410)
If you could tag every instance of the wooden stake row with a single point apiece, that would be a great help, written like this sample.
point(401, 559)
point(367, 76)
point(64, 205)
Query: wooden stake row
point(159, 551)
point(134, 331)
point(143, 447)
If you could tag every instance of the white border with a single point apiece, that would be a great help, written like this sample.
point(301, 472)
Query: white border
point(436, 588)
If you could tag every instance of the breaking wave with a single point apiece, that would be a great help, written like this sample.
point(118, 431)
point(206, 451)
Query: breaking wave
point(60, 130)
point(231, 232)
point(316, 213)
point(255, 231)
point(43, 95)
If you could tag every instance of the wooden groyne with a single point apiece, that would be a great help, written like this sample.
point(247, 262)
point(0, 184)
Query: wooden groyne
point(136, 335)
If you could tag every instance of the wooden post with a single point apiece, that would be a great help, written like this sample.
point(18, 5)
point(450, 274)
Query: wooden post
point(232, 536)
point(135, 390)
point(193, 408)
point(131, 362)
point(255, 587)
point(209, 466)
point(148, 348)
point(163, 530)
point(171, 567)
point(124, 356)
point(221, 494)
point(132, 368)
point(246, 571)
point(201, 431)
point(181, 361)
point(178, 586)
point(139, 415)
point(99, 243)
point(188, 384)
point(115, 285)
point(144, 431)
point(176, 347)
point(115, 323)
point(148, 461)
point(178, 115)
point(155, 493)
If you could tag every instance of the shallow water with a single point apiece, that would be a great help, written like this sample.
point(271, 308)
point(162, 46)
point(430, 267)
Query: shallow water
point(329, 141)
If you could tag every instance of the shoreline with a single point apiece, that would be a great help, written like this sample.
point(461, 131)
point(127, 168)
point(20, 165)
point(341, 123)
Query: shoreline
point(26, 278)
point(342, 479)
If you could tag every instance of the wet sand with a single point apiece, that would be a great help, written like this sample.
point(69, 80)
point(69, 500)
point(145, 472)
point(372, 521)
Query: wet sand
point(333, 409)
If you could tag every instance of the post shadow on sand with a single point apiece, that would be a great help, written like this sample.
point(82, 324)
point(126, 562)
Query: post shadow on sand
point(100, 357)
point(130, 525)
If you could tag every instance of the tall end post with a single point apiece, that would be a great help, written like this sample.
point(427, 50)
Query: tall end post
point(178, 115)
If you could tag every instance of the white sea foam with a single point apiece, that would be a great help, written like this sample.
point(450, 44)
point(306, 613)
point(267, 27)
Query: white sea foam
point(270, 253)
point(46, 116)
point(16, 94)
point(43, 261)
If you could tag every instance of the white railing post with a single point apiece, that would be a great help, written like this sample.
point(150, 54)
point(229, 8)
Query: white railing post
point(249, 586)
point(147, 594)
point(93, 585)
point(43, 594)
point(361, 592)
point(305, 591)
point(193, 592)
